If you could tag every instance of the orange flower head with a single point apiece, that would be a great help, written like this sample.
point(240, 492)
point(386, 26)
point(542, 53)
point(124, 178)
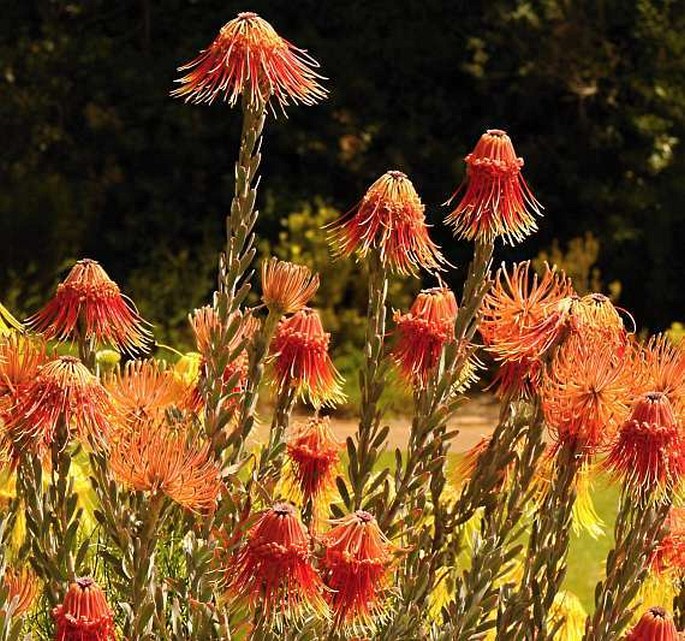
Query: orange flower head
point(596, 314)
point(84, 614)
point(212, 335)
point(157, 457)
point(314, 453)
point(665, 370)
point(496, 200)
point(423, 332)
point(274, 568)
point(90, 303)
point(390, 219)
point(648, 452)
point(655, 625)
point(586, 394)
point(523, 316)
point(22, 589)
point(286, 287)
point(301, 361)
point(143, 390)
point(62, 392)
point(20, 360)
point(248, 58)
point(669, 557)
point(356, 562)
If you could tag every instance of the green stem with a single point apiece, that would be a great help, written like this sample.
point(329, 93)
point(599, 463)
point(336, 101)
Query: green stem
point(638, 530)
point(371, 382)
point(271, 459)
point(257, 353)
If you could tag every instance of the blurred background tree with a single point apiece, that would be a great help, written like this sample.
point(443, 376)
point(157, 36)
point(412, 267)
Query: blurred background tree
point(98, 161)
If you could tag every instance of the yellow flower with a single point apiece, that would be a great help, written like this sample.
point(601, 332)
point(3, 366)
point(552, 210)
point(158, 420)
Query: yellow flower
point(567, 607)
point(585, 516)
point(8, 323)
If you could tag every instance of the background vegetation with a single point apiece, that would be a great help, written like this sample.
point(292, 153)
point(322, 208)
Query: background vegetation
point(98, 161)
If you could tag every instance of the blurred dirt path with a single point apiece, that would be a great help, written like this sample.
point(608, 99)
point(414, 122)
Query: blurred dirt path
point(475, 419)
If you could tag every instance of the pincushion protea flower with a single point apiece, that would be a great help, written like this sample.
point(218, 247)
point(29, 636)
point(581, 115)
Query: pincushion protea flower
point(356, 567)
point(665, 370)
point(423, 332)
point(496, 200)
point(587, 392)
point(64, 392)
point(524, 314)
point(249, 58)
point(84, 615)
point(90, 303)
point(390, 220)
point(649, 451)
point(286, 287)
point(274, 569)
point(301, 359)
point(569, 614)
point(655, 625)
point(669, 557)
point(158, 458)
point(20, 358)
point(22, 589)
point(143, 390)
point(314, 453)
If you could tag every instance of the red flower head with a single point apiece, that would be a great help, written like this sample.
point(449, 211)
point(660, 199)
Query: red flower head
point(665, 370)
point(655, 625)
point(84, 615)
point(64, 392)
point(496, 200)
point(649, 450)
point(523, 316)
point(287, 287)
point(248, 58)
point(158, 458)
point(301, 355)
point(586, 394)
point(22, 589)
point(423, 332)
point(89, 302)
point(274, 569)
point(390, 220)
point(314, 453)
point(669, 557)
point(356, 563)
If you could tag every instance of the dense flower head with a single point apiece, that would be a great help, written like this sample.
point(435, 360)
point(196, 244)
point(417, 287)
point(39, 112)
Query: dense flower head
point(89, 303)
point(495, 199)
point(669, 556)
point(423, 332)
point(143, 389)
point(157, 457)
point(274, 568)
point(63, 392)
point(655, 625)
point(587, 393)
point(314, 453)
point(84, 615)
point(301, 359)
point(389, 220)
point(665, 370)
point(649, 452)
point(596, 314)
point(523, 315)
point(22, 588)
point(248, 58)
point(356, 567)
point(286, 287)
